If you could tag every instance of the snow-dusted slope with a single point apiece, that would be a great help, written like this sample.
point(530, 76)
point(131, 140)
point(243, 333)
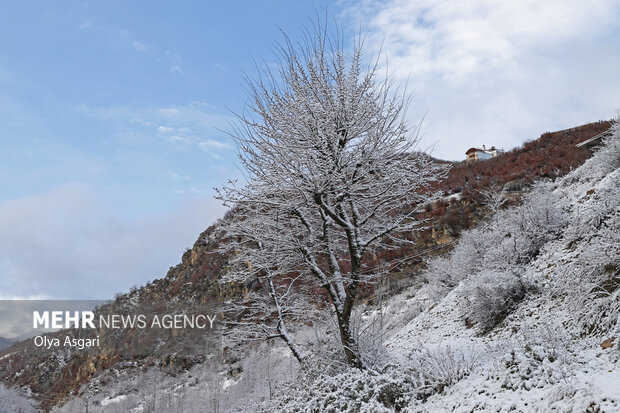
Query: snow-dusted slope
point(12, 400)
point(522, 316)
point(546, 355)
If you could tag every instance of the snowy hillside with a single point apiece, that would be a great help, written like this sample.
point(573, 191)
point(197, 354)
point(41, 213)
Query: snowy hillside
point(522, 316)
point(12, 400)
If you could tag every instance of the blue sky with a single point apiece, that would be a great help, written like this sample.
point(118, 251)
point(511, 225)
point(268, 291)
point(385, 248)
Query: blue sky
point(128, 96)
point(111, 112)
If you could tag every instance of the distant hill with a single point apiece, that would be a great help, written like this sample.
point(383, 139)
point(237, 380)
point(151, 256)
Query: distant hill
point(5, 342)
point(552, 155)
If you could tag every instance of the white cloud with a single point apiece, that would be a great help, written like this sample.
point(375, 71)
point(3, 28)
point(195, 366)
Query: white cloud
point(85, 24)
point(204, 105)
point(63, 243)
point(180, 139)
point(176, 63)
point(140, 47)
point(120, 35)
point(181, 124)
point(177, 69)
point(168, 111)
point(484, 71)
point(213, 144)
point(183, 118)
point(164, 129)
point(141, 122)
point(212, 147)
point(178, 177)
point(125, 38)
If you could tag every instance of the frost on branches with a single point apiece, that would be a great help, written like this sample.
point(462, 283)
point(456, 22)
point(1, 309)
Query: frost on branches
point(332, 176)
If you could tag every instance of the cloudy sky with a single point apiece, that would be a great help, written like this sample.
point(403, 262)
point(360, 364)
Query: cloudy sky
point(111, 112)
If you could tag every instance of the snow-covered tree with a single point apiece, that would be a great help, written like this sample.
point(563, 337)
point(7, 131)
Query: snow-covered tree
point(332, 174)
point(278, 298)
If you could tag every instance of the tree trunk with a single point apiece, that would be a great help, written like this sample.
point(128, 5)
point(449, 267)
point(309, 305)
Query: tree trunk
point(348, 340)
point(291, 345)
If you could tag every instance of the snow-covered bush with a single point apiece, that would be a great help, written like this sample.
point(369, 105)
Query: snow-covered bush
point(445, 273)
point(490, 298)
point(516, 235)
point(487, 259)
point(513, 237)
point(385, 390)
point(369, 326)
point(394, 387)
point(488, 263)
point(540, 218)
point(601, 311)
point(537, 358)
point(590, 264)
point(608, 159)
point(440, 367)
point(593, 270)
point(14, 401)
point(324, 352)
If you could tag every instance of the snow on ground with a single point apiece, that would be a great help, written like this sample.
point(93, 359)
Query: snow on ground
point(12, 400)
point(542, 357)
point(112, 400)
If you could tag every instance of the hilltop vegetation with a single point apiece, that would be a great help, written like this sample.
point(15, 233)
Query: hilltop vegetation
point(553, 154)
